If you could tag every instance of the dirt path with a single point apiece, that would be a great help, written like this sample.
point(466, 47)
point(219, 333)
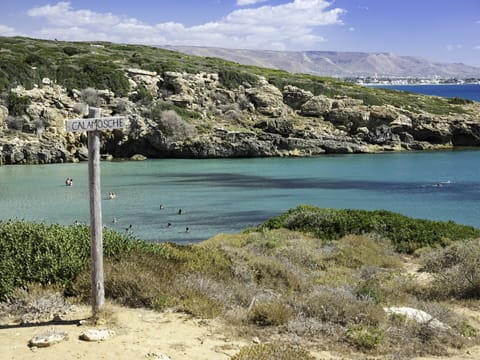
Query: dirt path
point(139, 334)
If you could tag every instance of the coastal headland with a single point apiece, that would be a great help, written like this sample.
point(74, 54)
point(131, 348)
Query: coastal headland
point(183, 106)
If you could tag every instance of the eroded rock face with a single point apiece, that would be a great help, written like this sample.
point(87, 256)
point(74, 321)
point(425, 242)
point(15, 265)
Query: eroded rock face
point(295, 97)
point(267, 99)
point(252, 120)
point(316, 106)
point(350, 118)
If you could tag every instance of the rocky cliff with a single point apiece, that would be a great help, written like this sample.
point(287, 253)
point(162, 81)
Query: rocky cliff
point(194, 116)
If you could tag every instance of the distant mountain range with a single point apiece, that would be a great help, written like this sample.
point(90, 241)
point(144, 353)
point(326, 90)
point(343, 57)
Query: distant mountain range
point(338, 64)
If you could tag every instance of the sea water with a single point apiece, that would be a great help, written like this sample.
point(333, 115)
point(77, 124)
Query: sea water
point(464, 91)
point(228, 195)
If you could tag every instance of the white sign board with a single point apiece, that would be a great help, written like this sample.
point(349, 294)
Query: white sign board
point(95, 124)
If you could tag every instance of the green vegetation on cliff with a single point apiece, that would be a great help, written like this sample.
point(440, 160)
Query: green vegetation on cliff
point(100, 65)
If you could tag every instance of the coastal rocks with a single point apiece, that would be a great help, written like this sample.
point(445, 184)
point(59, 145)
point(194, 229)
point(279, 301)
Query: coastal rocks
point(382, 115)
point(382, 135)
point(316, 106)
point(267, 99)
point(295, 97)
point(465, 133)
point(192, 91)
point(283, 127)
point(333, 146)
point(3, 115)
point(431, 130)
point(350, 118)
point(148, 79)
point(401, 123)
point(419, 316)
point(138, 157)
point(33, 152)
point(197, 116)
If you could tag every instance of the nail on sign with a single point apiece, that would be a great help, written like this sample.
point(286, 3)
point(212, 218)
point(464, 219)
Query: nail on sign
point(95, 124)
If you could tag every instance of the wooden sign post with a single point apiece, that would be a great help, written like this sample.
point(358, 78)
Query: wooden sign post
point(93, 124)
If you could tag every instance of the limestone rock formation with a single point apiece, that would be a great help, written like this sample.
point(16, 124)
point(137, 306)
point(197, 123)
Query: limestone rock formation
point(196, 116)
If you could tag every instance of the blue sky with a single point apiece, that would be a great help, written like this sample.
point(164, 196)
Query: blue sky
point(440, 30)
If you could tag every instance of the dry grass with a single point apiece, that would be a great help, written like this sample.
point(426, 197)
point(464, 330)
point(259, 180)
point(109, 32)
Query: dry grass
point(284, 283)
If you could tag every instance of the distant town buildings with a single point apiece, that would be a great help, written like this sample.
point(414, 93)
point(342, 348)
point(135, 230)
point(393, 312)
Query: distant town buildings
point(379, 80)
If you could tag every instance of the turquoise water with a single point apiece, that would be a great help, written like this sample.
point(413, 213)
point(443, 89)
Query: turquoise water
point(464, 91)
point(228, 195)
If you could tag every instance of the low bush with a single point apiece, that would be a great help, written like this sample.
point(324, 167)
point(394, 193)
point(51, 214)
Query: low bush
point(173, 126)
point(270, 313)
point(407, 234)
point(456, 270)
point(17, 105)
point(339, 306)
point(364, 337)
point(162, 106)
point(48, 254)
point(273, 351)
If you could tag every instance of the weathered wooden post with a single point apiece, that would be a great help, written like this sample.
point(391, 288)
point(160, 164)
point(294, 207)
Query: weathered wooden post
point(96, 250)
point(93, 124)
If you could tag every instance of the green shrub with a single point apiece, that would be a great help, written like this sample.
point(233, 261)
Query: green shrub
point(456, 270)
point(48, 254)
point(459, 101)
point(273, 351)
point(270, 314)
point(233, 78)
point(407, 234)
point(142, 95)
point(17, 105)
point(364, 337)
point(173, 126)
point(339, 306)
point(161, 106)
point(71, 50)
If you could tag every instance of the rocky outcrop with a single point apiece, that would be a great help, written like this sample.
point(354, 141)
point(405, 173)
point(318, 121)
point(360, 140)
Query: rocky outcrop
point(316, 106)
point(194, 116)
point(267, 99)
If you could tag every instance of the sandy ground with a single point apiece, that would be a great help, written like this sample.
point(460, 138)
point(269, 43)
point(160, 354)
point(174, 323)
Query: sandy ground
point(139, 334)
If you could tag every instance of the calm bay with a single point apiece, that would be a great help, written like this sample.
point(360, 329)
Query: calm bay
point(228, 195)
point(464, 91)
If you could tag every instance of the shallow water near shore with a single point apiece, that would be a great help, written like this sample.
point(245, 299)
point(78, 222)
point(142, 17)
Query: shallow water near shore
point(228, 195)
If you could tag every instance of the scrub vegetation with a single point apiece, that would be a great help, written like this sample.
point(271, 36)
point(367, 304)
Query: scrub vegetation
point(309, 280)
point(100, 65)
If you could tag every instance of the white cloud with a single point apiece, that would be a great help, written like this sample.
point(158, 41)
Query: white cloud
point(248, 2)
point(8, 31)
point(293, 26)
point(453, 47)
point(62, 15)
point(476, 47)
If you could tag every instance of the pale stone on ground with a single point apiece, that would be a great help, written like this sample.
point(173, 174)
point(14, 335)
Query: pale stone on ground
point(48, 338)
point(96, 335)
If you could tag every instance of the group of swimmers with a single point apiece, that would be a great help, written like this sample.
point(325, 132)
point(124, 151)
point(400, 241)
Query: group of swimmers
point(180, 212)
point(111, 195)
point(69, 181)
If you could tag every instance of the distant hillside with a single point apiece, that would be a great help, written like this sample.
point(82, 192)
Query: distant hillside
point(337, 64)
